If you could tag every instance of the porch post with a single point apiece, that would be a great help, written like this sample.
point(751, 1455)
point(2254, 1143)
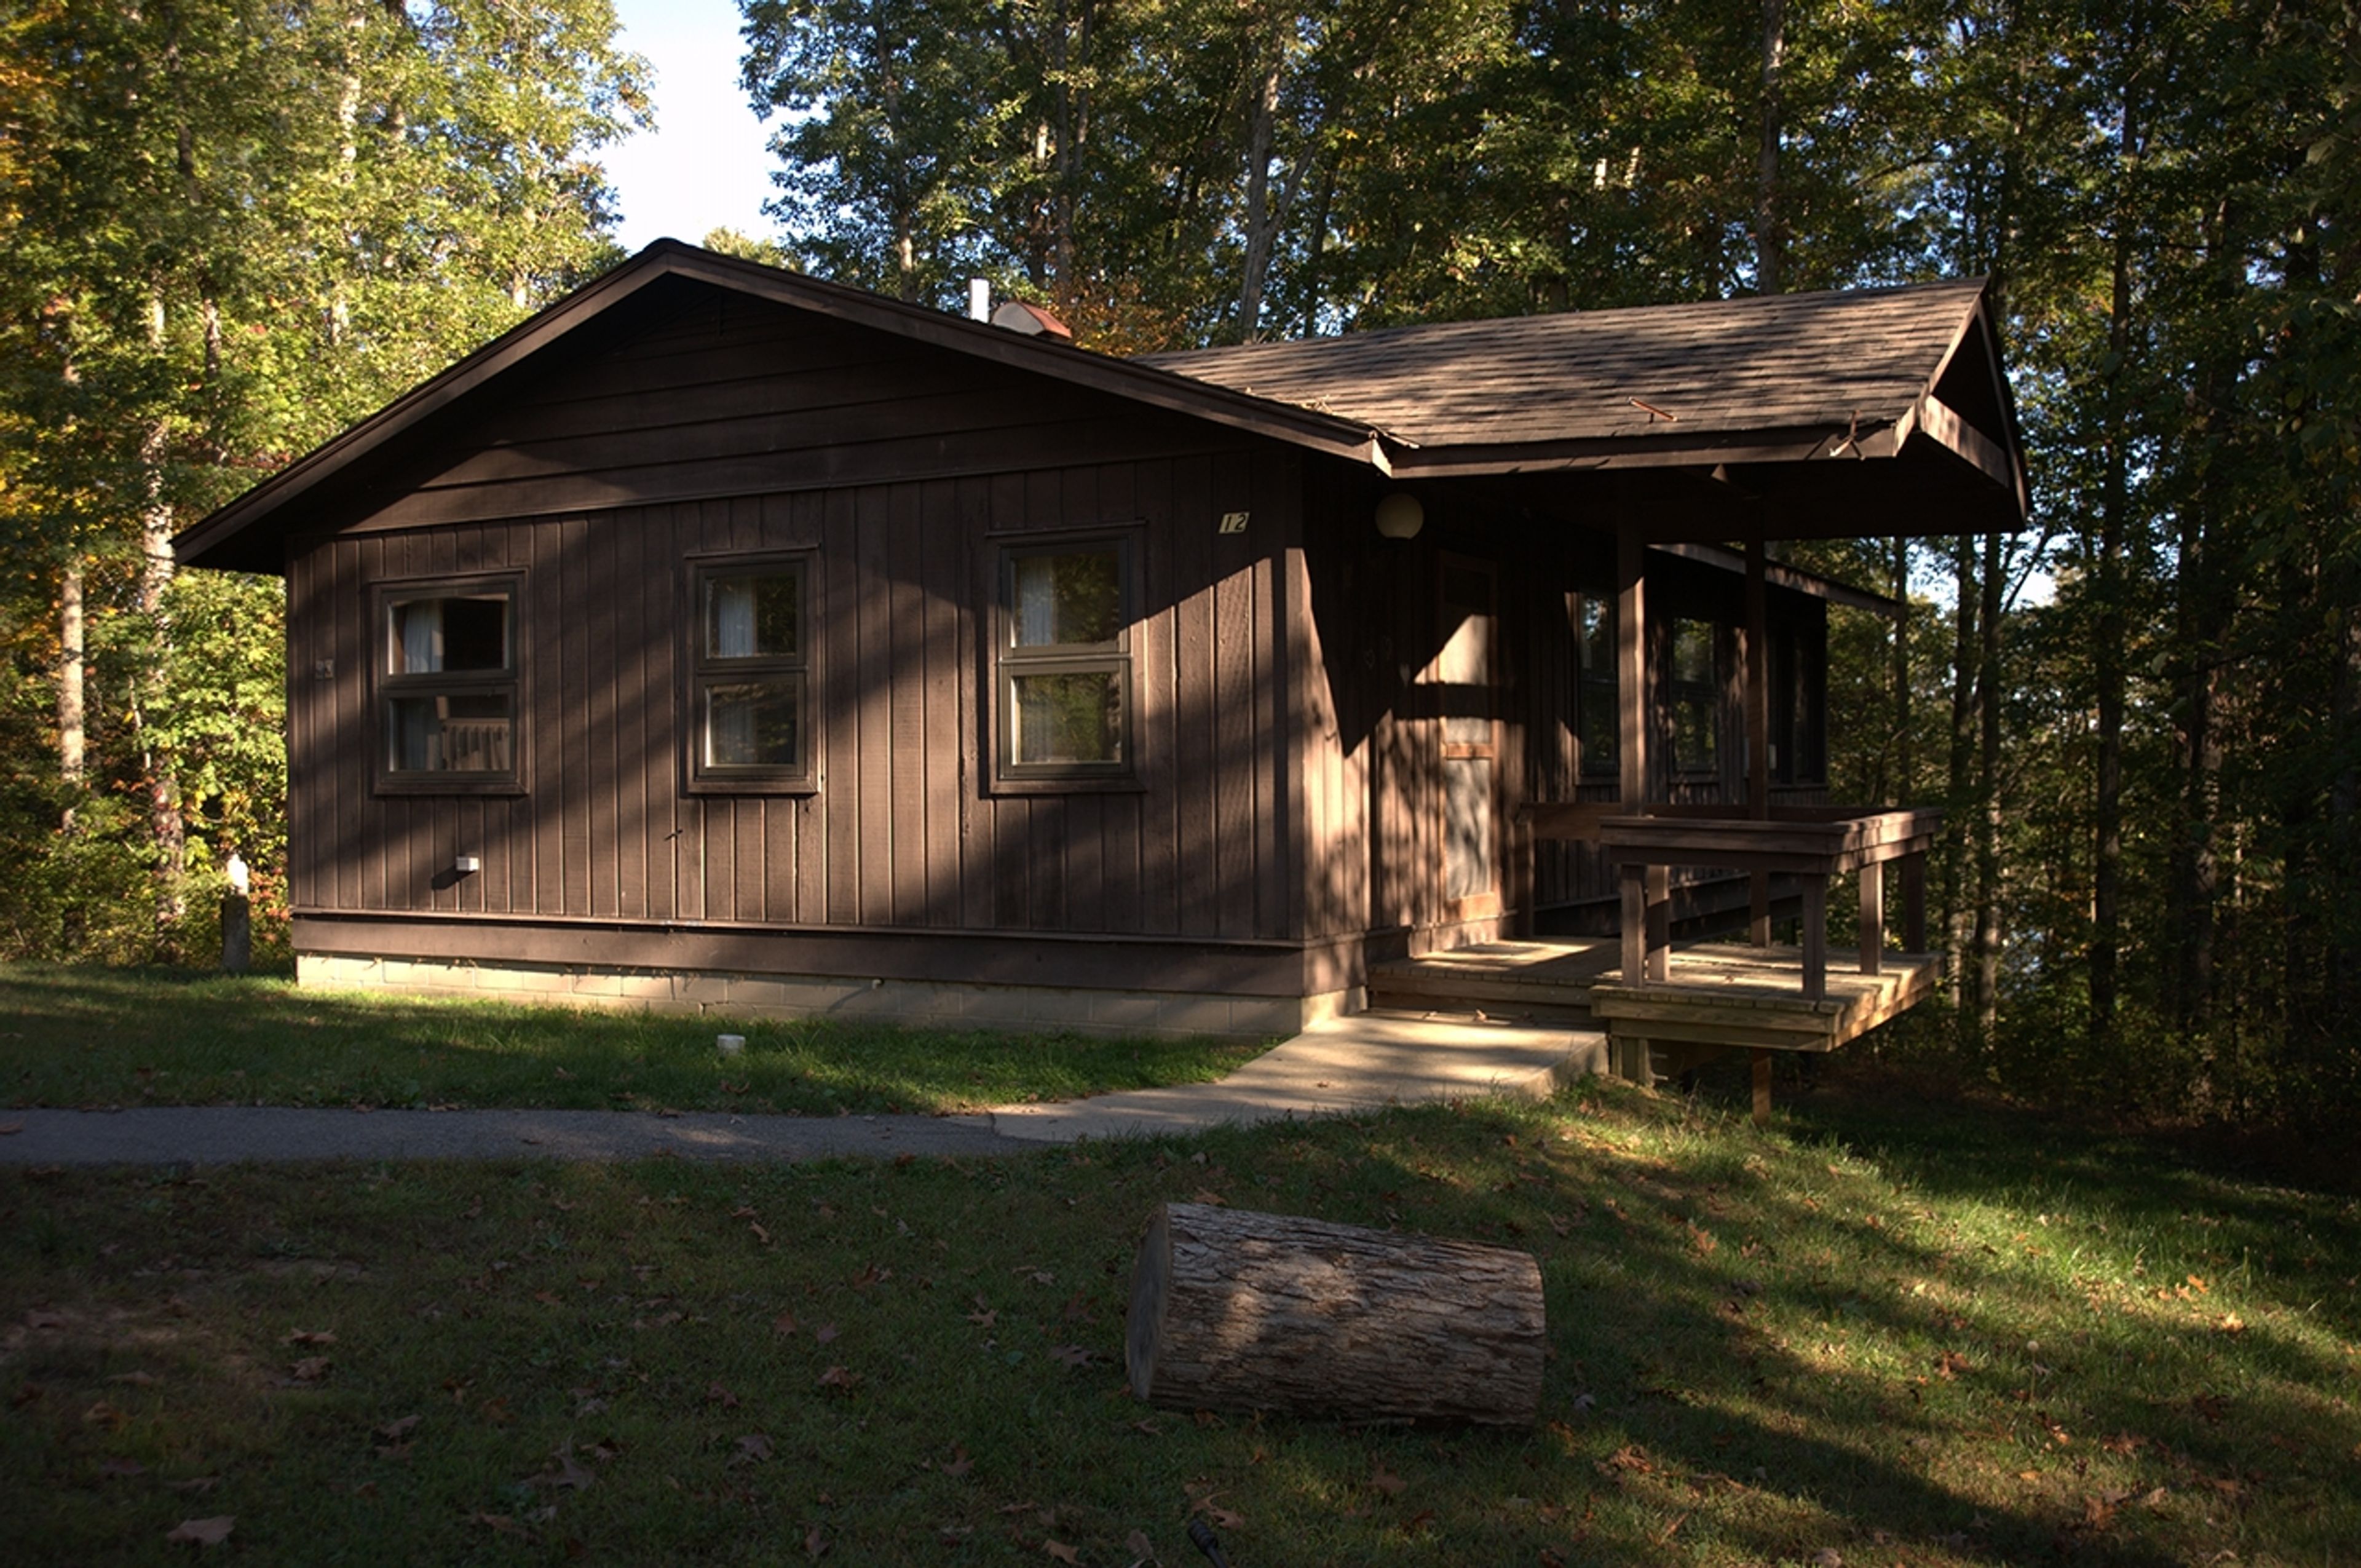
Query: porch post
point(1758, 730)
point(1648, 890)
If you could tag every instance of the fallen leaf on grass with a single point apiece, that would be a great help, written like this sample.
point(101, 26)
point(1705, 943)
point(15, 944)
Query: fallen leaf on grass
point(715, 1394)
point(784, 1323)
point(2232, 1324)
point(1140, 1546)
point(959, 1464)
point(1949, 1365)
point(1060, 1550)
point(1386, 1481)
point(311, 1369)
point(202, 1532)
point(103, 1414)
point(311, 1336)
point(568, 1473)
point(44, 1320)
point(1073, 1356)
point(815, 1545)
point(121, 1469)
point(754, 1447)
point(1207, 1195)
point(136, 1379)
point(760, 1234)
point(825, 1333)
point(195, 1484)
point(498, 1524)
point(839, 1377)
point(495, 1409)
point(1418, 1521)
point(12, 1129)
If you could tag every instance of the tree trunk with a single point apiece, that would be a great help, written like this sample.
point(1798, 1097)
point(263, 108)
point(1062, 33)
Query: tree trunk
point(1988, 791)
point(1957, 918)
point(1262, 214)
point(1770, 241)
point(1906, 761)
point(2106, 896)
point(73, 649)
point(1239, 1310)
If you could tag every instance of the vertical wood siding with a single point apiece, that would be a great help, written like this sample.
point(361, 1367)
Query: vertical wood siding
point(898, 832)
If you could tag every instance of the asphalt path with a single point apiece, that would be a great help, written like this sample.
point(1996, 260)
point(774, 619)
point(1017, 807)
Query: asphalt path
point(225, 1134)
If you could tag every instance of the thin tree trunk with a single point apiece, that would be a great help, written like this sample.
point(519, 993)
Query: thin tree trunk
point(1262, 214)
point(1988, 790)
point(73, 649)
point(1904, 780)
point(2106, 907)
point(1770, 241)
point(2344, 814)
point(1958, 918)
point(156, 530)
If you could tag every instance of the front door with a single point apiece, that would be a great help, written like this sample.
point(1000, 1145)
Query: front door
point(1470, 738)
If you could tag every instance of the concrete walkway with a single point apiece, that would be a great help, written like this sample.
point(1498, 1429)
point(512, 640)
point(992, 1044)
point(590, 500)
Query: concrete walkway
point(1367, 1061)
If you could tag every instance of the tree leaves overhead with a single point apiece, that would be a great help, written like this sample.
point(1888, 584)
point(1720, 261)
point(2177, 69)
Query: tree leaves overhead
point(1170, 172)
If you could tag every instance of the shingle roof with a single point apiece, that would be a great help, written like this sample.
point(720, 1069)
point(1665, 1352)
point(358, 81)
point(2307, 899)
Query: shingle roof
point(1770, 362)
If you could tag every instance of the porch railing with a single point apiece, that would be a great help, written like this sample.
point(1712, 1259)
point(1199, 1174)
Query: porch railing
point(1810, 843)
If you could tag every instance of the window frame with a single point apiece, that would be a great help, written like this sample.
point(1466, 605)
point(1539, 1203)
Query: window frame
point(1009, 661)
point(385, 686)
point(701, 670)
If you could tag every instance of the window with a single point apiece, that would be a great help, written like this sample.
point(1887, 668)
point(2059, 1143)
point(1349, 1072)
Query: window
point(1594, 653)
point(1696, 696)
point(1064, 704)
point(447, 685)
point(750, 669)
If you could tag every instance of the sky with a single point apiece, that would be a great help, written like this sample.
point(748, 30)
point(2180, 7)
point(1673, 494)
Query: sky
point(704, 165)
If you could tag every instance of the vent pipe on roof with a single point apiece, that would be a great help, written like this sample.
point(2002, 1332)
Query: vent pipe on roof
point(978, 298)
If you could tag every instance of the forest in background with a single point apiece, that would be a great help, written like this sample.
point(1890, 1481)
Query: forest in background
point(228, 229)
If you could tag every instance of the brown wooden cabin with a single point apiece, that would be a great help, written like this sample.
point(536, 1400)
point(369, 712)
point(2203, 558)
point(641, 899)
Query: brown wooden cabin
point(722, 639)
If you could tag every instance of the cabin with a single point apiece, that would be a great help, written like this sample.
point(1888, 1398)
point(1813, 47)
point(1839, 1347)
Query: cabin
point(724, 639)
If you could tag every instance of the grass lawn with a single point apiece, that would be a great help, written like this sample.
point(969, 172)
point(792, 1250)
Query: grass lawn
point(1887, 1332)
point(100, 1037)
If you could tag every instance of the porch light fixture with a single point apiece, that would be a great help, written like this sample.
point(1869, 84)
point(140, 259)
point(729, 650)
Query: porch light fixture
point(1400, 516)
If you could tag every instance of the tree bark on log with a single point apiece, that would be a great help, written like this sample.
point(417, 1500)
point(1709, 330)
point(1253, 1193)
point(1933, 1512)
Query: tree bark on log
point(1231, 1309)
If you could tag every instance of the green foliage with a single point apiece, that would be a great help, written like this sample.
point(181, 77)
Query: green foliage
point(229, 228)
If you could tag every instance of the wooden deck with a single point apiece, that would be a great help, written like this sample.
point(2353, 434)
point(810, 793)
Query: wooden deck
point(1717, 996)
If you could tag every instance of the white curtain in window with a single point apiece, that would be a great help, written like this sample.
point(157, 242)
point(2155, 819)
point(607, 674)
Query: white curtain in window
point(1036, 600)
point(421, 636)
point(733, 619)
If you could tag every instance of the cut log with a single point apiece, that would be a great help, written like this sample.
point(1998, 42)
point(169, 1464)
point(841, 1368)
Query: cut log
point(1231, 1309)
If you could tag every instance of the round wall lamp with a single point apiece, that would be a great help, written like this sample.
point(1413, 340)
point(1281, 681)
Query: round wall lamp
point(1400, 516)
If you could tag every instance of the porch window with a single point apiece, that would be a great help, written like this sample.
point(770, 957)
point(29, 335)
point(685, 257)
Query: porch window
point(1595, 655)
point(1064, 704)
point(447, 685)
point(1696, 696)
point(750, 671)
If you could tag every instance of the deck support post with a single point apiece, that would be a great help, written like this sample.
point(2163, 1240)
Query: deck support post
point(1873, 916)
point(1815, 937)
point(1761, 1087)
point(1660, 923)
point(1633, 918)
point(1914, 903)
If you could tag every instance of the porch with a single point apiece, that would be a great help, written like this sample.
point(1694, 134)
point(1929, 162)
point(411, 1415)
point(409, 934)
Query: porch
point(1669, 1007)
